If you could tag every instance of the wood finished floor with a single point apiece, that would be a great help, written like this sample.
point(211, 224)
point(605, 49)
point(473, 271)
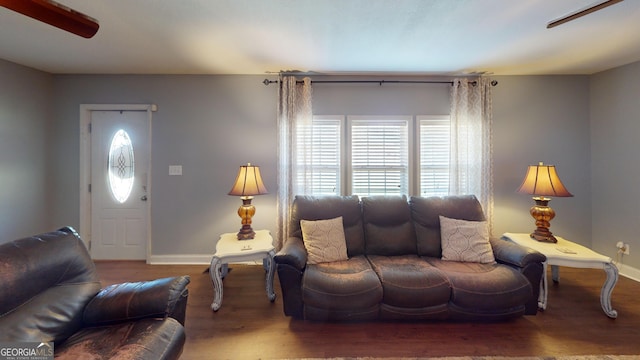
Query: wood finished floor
point(248, 326)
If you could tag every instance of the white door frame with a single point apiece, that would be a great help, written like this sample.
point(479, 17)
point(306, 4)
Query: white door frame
point(85, 166)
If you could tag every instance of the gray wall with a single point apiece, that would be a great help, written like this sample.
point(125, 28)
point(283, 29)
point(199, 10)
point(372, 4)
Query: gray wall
point(536, 118)
point(25, 118)
point(373, 99)
point(213, 124)
point(208, 124)
point(542, 118)
point(615, 171)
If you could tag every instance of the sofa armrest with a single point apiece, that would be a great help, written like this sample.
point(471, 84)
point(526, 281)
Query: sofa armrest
point(293, 253)
point(527, 261)
point(291, 263)
point(159, 298)
point(508, 252)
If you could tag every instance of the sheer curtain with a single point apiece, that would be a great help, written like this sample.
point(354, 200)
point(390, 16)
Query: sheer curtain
point(294, 116)
point(471, 163)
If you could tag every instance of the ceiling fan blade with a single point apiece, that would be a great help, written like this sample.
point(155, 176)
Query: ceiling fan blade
point(53, 13)
point(581, 13)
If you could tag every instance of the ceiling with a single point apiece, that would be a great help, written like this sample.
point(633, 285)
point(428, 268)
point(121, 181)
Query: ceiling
point(408, 37)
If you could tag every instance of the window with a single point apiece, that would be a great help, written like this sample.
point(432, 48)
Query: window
point(379, 156)
point(372, 155)
point(322, 149)
point(121, 166)
point(434, 135)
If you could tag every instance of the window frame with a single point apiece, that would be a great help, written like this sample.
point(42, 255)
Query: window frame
point(341, 146)
point(418, 149)
point(348, 145)
point(413, 147)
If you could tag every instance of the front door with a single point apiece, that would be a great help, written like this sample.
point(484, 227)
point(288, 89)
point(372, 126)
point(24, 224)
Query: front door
point(119, 183)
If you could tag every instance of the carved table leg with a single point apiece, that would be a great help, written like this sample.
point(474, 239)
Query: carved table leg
point(216, 279)
point(607, 288)
point(542, 298)
point(270, 273)
point(555, 273)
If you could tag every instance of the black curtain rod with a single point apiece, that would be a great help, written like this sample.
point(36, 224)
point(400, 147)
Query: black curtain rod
point(379, 82)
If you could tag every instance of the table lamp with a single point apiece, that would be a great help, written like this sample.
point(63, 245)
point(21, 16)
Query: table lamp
point(541, 181)
point(248, 183)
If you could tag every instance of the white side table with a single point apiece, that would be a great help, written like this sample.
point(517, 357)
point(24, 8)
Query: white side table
point(229, 249)
point(567, 253)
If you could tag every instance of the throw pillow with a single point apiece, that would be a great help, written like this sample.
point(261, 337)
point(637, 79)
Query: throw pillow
point(324, 240)
point(466, 241)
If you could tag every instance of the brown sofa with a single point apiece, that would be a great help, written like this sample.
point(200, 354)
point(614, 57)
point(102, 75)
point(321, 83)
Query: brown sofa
point(394, 269)
point(50, 292)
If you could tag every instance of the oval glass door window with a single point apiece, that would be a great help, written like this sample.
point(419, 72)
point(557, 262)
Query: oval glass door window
point(121, 166)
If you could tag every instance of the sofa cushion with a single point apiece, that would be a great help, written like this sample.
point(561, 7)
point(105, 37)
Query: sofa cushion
point(426, 212)
point(484, 287)
point(308, 207)
point(324, 240)
point(410, 282)
point(465, 241)
point(387, 226)
point(345, 287)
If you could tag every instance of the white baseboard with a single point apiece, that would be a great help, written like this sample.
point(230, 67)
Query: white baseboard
point(629, 272)
point(180, 259)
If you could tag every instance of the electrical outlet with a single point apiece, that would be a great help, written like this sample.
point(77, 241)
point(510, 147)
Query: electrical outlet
point(623, 248)
point(175, 169)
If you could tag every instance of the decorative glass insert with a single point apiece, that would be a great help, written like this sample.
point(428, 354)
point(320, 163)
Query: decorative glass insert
point(121, 166)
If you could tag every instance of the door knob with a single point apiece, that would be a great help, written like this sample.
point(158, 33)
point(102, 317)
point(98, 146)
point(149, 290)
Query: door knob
point(143, 198)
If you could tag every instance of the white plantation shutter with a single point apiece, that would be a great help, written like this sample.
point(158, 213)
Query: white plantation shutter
point(379, 156)
point(322, 141)
point(435, 140)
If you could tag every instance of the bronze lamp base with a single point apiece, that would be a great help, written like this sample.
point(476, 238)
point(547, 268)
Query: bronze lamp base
point(543, 214)
point(246, 212)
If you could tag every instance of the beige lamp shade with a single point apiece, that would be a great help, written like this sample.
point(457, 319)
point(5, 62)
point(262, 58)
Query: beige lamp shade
point(543, 180)
point(248, 182)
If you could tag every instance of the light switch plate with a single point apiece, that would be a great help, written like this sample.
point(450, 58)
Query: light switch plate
point(175, 169)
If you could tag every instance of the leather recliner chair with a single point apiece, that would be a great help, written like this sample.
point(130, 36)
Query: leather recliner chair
point(50, 292)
